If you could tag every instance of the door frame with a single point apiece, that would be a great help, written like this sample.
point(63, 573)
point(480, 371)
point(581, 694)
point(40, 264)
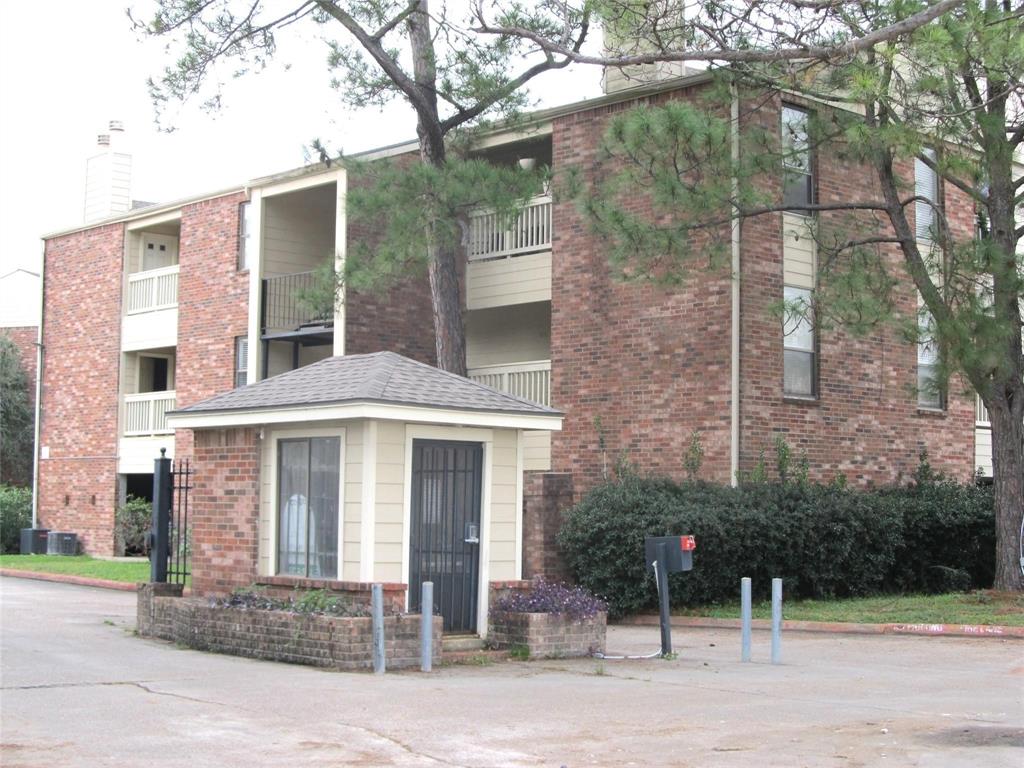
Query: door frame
point(460, 435)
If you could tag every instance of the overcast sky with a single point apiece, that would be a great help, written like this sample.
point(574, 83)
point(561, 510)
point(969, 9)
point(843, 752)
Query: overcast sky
point(68, 67)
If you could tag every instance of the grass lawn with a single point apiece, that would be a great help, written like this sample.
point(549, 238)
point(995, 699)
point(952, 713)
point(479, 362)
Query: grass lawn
point(981, 607)
point(81, 565)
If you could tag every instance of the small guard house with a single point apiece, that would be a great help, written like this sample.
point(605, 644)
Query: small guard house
point(361, 469)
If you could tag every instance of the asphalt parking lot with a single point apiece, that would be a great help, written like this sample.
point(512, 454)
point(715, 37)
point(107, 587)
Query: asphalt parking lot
point(79, 689)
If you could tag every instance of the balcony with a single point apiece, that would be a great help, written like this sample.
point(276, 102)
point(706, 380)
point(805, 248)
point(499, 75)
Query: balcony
point(509, 262)
point(152, 290)
point(145, 414)
point(531, 380)
point(150, 309)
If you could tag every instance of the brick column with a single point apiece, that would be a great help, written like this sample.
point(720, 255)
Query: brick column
point(225, 510)
point(545, 497)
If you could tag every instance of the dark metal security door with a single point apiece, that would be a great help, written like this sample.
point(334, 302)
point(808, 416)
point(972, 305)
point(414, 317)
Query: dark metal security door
point(445, 531)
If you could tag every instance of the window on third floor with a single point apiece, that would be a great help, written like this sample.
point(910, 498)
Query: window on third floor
point(797, 165)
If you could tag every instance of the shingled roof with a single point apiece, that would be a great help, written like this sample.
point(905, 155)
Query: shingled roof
point(381, 377)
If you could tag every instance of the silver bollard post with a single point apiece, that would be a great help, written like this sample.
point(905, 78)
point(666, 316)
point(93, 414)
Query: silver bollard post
point(427, 626)
point(776, 621)
point(377, 606)
point(745, 615)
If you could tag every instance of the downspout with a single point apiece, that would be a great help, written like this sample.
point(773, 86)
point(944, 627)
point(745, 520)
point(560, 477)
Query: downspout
point(734, 400)
point(39, 392)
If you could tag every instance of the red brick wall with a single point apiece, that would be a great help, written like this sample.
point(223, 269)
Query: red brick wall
point(865, 423)
point(82, 331)
point(399, 319)
point(652, 363)
point(213, 304)
point(225, 510)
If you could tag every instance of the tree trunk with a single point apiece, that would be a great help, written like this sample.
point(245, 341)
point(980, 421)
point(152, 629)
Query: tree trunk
point(1007, 418)
point(449, 331)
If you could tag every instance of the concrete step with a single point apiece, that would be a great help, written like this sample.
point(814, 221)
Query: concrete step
point(459, 643)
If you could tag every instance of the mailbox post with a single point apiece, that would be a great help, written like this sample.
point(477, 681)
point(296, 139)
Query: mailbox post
point(665, 555)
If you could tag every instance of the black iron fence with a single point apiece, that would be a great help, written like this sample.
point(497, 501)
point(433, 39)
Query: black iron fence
point(170, 554)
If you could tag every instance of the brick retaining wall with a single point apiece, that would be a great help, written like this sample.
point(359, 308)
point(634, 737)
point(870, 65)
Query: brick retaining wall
point(321, 641)
point(548, 635)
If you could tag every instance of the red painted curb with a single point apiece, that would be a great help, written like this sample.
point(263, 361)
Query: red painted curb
point(931, 630)
point(67, 578)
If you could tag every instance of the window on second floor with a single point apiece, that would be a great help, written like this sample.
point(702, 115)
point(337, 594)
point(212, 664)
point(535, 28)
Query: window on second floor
point(931, 389)
point(797, 167)
point(926, 186)
point(244, 234)
point(799, 347)
point(241, 361)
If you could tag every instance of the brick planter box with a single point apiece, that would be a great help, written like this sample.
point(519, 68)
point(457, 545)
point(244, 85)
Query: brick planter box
point(548, 635)
point(322, 641)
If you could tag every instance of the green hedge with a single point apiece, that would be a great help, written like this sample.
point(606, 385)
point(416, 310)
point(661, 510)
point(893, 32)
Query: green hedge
point(15, 514)
point(824, 541)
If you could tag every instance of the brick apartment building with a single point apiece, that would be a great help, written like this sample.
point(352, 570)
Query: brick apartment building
point(155, 309)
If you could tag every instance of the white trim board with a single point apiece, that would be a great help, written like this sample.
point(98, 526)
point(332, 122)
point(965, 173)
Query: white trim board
point(363, 410)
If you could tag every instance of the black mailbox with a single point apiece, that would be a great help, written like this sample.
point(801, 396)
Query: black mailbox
point(678, 552)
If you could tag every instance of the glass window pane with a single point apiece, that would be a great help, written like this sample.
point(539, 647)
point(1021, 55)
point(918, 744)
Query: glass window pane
point(244, 233)
point(794, 138)
point(325, 467)
point(929, 391)
point(798, 376)
point(796, 189)
point(293, 487)
point(797, 324)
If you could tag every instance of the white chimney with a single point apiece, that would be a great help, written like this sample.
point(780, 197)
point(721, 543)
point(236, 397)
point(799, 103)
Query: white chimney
point(108, 176)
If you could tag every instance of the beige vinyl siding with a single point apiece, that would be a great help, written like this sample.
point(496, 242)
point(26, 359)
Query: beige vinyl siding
point(501, 336)
point(298, 230)
point(279, 359)
point(516, 280)
point(390, 497)
point(267, 509)
point(798, 255)
point(537, 451)
point(130, 374)
point(504, 514)
point(353, 500)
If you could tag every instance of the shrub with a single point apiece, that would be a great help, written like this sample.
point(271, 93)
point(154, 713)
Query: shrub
point(575, 603)
point(131, 524)
point(15, 514)
point(823, 540)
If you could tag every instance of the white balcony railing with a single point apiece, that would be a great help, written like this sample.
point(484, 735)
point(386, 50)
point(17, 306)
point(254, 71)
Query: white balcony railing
point(146, 413)
point(492, 238)
point(151, 290)
point(981, 413)
point(530, 380)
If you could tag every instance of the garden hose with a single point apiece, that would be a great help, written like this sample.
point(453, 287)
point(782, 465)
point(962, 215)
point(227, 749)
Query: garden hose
point(657, 653)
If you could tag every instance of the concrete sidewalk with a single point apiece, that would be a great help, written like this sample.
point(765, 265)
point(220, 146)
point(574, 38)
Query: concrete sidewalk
point(80, 690)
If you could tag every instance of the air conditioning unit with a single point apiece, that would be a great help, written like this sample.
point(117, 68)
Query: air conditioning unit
point(33, 541)
point(61, 543)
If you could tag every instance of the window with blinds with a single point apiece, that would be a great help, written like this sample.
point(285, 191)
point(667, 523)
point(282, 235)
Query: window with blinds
point(926, 186)
point(241, 361)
